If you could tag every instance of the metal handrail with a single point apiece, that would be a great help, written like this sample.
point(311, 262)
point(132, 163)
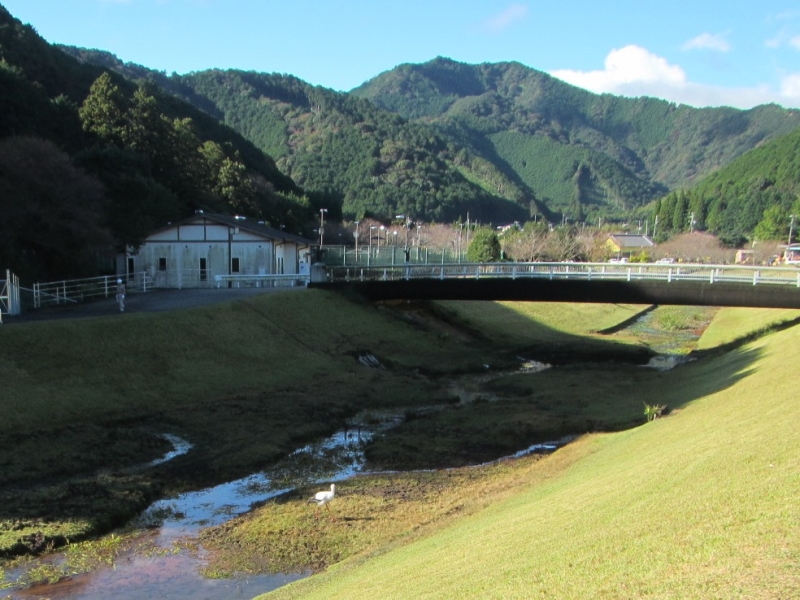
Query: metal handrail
point(266, 280)
point(571, 270)
point(9, 295)
point(78, 290)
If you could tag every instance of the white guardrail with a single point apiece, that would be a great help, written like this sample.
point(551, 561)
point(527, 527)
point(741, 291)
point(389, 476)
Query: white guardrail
point(79, 290)
point(73, 291)
point(587, 271)
point(282, 280)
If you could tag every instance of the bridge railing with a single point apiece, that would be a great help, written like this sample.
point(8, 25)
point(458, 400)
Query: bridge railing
point(587, 271)
point(282, 280)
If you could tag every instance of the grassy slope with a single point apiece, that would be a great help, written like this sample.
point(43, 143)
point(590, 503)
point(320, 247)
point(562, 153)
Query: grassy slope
point(701, 504)
point(246, 382)
point(63, 371)
point(735, 324)
point(512, 323)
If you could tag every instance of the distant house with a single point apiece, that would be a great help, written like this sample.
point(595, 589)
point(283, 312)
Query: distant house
point(627, 245)
point(192, 252)
point(791, 256)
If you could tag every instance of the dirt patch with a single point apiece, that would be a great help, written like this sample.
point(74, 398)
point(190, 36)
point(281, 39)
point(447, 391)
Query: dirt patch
point(428, 318)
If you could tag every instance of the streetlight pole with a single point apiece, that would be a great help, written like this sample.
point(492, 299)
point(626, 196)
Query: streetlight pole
point(357, 222)
point(791, 228)
point(407, 223)
point(370, 238)
point(322, 212)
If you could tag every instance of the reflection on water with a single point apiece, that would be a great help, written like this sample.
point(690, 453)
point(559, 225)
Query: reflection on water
point(172, 521)
point(338, 457)
point(665, 362)
point(172, 525)
point(174, 577)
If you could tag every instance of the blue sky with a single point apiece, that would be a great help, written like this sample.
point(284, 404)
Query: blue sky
point(697, 52)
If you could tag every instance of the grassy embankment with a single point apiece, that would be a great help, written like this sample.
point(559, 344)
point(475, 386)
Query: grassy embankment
point(245, 382)
point(701, 504)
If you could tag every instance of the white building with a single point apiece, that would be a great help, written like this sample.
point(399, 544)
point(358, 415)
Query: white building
point(193, 252)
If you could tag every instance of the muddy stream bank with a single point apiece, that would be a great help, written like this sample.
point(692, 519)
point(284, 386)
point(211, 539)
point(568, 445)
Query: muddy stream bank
point(164, 559)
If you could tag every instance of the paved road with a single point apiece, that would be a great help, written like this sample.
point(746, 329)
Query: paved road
point(156, 301)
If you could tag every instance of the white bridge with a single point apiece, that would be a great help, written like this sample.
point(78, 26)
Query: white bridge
point(784, 276)
point(629, 283)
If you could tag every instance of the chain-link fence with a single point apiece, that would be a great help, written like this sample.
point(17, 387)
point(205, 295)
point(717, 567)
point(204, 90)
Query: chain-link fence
point(380, 256)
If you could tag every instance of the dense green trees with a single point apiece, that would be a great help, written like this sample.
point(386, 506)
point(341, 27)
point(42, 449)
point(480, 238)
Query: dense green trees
point(195, 171)
point(753, 198)
point(131, 158)
point(51, 210)
point(579, 154)
point(437, 141)
point(484, 247)
point(500, 141)
point(348, 152)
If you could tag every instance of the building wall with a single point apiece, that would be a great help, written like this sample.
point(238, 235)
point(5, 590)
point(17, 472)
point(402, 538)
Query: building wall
point(173, 256)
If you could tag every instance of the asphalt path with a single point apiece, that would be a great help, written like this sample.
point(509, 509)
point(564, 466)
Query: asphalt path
point(155, 301)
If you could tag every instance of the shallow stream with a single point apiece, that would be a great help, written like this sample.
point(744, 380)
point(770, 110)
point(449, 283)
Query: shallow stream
point(165, 560)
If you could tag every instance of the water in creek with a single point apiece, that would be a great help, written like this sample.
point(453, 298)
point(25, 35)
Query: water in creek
point(172, 524)
point(684, 326)
point(173, 565)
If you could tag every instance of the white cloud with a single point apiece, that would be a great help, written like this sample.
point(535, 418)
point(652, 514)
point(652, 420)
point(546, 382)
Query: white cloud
point(623, 67)
point(708, 41)
point(795, 42)
point(505, 19)
point(790, 86)
point(634, 71)
point(778, 40)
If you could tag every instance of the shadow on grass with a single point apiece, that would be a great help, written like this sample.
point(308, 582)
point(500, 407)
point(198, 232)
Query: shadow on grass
point(237, 433)
point(594, 386)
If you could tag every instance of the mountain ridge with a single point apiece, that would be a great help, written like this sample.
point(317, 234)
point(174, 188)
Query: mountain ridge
point(510, 139)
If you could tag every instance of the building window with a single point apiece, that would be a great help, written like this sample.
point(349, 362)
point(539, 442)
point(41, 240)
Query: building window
point(235, 265)
point(203, 270)
point(162, 264)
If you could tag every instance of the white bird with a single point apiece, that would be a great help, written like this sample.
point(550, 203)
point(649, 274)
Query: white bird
point(322, 498)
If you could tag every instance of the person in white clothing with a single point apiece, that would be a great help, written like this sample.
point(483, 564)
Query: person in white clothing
point(121, 295)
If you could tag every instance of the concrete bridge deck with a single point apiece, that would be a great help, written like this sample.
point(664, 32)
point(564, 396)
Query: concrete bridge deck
point(683, 284)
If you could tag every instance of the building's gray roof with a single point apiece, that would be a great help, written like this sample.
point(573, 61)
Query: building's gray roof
point(245, 224)
point(631, 240)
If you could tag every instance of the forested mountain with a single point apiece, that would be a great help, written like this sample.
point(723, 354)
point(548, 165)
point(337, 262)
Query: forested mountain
point(500, 141)
point(753, 197)
point(574, 149)
point(95, 152)
point(90, 159)
point(370, 161)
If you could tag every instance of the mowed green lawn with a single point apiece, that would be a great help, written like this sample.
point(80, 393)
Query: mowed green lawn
point(245, 382)
point(701, 504)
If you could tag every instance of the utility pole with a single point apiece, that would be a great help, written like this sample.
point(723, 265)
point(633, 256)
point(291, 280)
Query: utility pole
point(791, 228)
point(322, 212)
